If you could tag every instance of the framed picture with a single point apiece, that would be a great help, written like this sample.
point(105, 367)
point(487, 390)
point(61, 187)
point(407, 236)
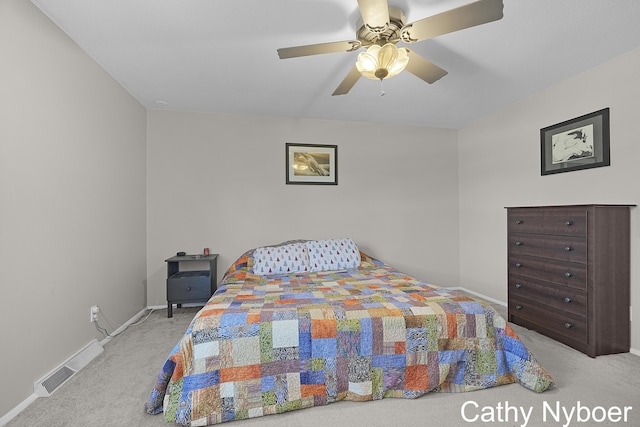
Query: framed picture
point(312, 164)
point(579, 143)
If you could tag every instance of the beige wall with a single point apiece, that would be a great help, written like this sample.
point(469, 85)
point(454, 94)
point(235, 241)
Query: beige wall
point(73, 170)
point(218, 181)
point(499, 163)
point(72, 199)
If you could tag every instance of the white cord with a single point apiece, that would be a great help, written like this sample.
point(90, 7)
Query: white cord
point(104, 331)
point(140, 320)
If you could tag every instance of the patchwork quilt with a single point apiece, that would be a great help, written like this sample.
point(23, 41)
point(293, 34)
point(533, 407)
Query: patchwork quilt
point(274, 343)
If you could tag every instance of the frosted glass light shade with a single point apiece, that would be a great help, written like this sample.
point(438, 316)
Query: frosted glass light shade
point(382, 62)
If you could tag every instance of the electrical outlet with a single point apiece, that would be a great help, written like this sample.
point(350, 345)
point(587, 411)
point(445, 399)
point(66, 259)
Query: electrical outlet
point(94, 313)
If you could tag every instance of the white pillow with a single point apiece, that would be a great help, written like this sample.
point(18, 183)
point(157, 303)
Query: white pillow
point(333, 254)
point(285, 259)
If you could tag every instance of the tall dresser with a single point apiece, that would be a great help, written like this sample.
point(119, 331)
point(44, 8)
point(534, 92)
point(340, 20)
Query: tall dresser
point(569, 274)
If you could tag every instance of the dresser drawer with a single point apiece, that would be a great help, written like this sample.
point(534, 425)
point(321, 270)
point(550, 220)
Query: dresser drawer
point(569, 221)
point(565, 248)
point(559, 322)
point(549, 270)
point(549, 294)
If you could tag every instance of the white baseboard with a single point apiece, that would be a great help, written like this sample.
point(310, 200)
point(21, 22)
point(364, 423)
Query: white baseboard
point(493, 300)
point(15, 411)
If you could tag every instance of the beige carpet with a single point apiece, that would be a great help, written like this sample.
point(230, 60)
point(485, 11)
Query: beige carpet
point(113, 388)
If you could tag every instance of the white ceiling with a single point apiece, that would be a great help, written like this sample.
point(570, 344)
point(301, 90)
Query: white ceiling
point(220, 55)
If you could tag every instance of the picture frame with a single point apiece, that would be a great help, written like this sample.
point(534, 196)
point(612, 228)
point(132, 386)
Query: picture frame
point(311, 164)
point(576, 144)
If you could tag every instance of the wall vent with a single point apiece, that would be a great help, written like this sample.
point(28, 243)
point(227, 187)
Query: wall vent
point(51, 382)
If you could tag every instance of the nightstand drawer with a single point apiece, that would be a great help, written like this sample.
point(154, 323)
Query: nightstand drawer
point(570, 221)
point(549, 294)
point(565, 248)
point(189, 286)
point(565, 273)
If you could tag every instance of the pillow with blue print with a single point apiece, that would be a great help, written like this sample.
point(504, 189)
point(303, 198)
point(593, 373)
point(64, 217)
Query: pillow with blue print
point(332, 254)
point(285, 259)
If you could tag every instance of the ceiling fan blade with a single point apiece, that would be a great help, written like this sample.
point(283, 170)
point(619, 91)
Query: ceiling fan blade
point(470, 15)
point(318, 49)
point(348, 82)
point(423, 68)
point(375, 14)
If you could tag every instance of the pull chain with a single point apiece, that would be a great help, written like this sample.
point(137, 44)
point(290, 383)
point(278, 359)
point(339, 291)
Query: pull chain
point(382, 92)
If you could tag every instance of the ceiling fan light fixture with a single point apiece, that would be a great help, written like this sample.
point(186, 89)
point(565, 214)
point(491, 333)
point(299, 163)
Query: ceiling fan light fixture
point(382, 62)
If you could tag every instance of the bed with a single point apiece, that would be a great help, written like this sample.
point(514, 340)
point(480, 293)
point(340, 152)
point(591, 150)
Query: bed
point(311, 322)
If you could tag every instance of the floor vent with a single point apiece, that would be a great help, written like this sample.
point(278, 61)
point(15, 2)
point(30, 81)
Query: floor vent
point(51, 382)
point(57, 379)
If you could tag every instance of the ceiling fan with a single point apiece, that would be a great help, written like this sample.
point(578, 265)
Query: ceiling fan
point(383, 26)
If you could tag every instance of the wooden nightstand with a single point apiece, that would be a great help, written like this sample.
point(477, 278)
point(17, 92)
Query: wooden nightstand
point(190, 286)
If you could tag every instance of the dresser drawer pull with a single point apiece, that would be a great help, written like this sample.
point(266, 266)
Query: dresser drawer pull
point(518, 221)
point(189, 289)
point(568, 248)
point(568, 223)
point(568, 325)
point(567, 274)
point(518, 307)
point(518, 243)
point(518, 285)
point(568, 300)
point(518, 265)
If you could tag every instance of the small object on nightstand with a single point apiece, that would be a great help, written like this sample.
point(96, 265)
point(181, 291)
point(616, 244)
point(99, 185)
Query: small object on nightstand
point(206, 251)
point(181, 254)
point(190, 286)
